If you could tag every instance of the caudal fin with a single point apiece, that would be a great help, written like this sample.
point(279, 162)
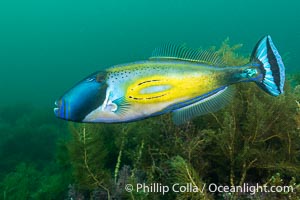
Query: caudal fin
point(271, 66)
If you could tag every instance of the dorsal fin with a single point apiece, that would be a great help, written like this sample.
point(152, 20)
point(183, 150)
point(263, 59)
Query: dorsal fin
point(180, 52)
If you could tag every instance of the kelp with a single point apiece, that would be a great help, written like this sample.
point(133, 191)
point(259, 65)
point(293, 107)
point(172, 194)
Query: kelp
point(26, 181)
point(28, 168)
point(87, 155)
point(185, 175)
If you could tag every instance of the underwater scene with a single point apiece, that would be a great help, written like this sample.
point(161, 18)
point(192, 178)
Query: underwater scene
point(160, 99)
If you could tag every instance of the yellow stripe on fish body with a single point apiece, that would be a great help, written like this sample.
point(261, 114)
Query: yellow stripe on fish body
point(163, 88)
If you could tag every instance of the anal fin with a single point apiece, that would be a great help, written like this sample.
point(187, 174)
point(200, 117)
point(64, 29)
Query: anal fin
point(210, 104)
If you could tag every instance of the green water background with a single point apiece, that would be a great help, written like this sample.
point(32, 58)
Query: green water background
point(47, 46)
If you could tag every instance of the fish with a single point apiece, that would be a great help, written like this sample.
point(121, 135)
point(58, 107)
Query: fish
point(184, 82)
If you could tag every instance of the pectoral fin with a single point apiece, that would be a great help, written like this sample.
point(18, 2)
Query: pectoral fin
point(122, 105)
point(207, 105)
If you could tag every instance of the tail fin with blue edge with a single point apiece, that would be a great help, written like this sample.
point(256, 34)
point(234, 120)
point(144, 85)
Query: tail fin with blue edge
point(271, 66)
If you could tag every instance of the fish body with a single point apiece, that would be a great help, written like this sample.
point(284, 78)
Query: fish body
point(175, 79)
point(150, 88)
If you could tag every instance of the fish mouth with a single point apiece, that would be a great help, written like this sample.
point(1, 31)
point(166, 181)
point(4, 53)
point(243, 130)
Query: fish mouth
point(56, 109)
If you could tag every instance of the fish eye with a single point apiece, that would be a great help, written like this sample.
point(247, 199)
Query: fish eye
point(100, 77)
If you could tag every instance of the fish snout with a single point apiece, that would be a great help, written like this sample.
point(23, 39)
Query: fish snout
point(57, 109)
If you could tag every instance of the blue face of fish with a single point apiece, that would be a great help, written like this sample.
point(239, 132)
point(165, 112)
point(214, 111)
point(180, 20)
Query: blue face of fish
point(82, 99)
